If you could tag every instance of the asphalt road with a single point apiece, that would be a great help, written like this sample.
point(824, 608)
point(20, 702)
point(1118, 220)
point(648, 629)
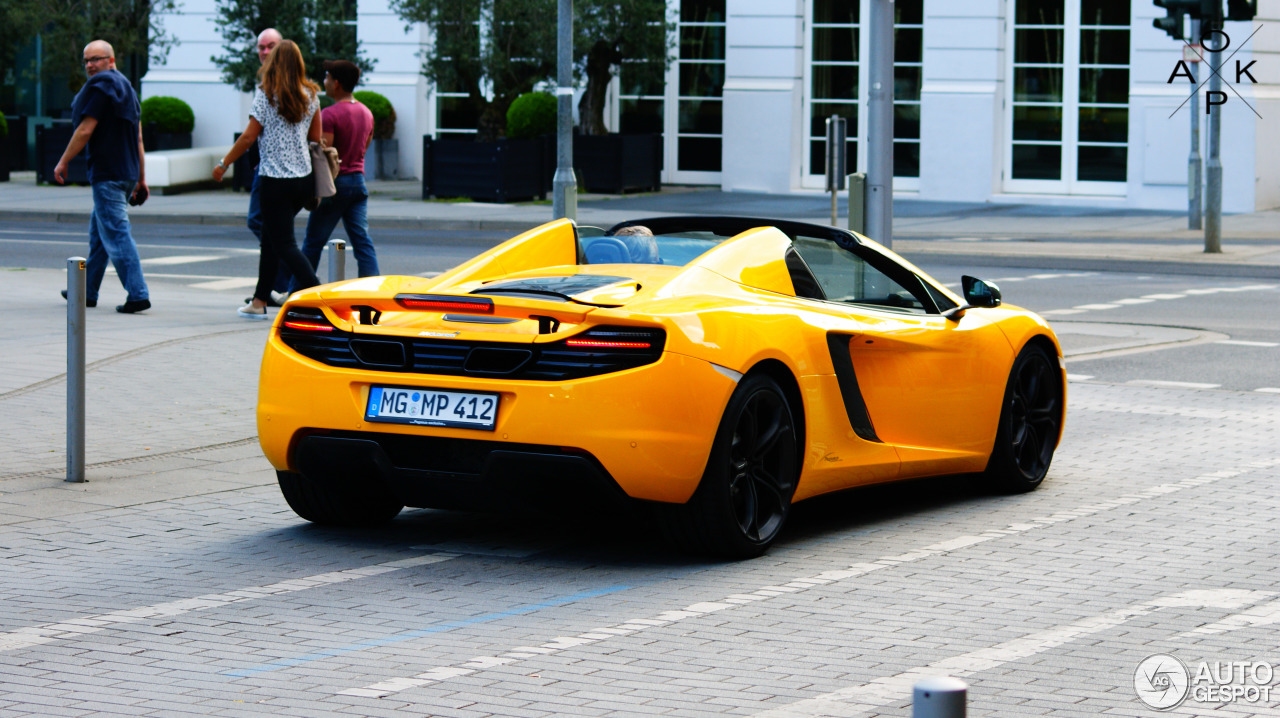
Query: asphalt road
point(1229, 329)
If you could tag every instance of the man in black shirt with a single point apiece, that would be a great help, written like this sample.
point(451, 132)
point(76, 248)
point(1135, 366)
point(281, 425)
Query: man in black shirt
point(107, 118)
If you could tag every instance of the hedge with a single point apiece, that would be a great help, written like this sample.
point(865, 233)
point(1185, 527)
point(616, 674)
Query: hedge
point(532, 114)
point(384, 115)
point(169, 114)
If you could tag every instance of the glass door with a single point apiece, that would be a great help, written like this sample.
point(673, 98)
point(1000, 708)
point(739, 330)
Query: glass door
point(1068, 108)
point(836, 76)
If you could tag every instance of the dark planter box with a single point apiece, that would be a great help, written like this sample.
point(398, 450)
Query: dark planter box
point(51, 141)
point(501, 171)
point(615, 164)
point(4, 160)
point(154, 140)
point(17, 143)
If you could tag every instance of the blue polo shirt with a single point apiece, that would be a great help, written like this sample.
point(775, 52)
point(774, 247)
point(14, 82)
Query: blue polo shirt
point(113, 148)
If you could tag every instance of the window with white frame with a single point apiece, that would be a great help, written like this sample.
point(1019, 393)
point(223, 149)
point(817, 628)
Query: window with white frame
point(836, 74)
point(1069, 114)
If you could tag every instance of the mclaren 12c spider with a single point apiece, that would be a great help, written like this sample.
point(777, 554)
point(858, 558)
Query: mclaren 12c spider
point(720, 371)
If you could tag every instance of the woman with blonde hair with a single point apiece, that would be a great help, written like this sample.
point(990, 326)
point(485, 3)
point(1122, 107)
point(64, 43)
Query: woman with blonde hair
point(284, 118)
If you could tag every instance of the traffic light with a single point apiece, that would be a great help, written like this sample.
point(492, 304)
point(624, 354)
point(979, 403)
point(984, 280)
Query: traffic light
point(1241, 9)
point(1176, 10)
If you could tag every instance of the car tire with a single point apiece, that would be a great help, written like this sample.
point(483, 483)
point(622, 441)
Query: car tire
point(1030, 422)
point(331, 504)
point(745, 494)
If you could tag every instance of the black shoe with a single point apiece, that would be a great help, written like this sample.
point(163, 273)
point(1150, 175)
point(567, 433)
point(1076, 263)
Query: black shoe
point(87, 302)
point(132, 307)
point(270, 302)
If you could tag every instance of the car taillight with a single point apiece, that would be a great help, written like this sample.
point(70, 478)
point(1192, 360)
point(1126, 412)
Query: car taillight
point(439, 303)
point(307, 319)
point(618, 338)
point(601, 344)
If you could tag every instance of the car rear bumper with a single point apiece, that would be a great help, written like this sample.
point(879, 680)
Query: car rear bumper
point(426, 471)
point(646, 431)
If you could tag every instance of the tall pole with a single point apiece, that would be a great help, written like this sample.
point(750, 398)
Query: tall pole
point(1213, 189)
point(880, 125)
point(1195, 181)
point(564, 199)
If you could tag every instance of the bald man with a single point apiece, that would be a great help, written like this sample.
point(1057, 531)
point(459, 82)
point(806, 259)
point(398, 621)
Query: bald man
point(107, 116)
point(267, 41)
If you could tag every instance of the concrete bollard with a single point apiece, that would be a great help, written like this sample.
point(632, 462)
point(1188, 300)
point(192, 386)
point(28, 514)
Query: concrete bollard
point(939, 697)
point(337, 260)
point(75, 368)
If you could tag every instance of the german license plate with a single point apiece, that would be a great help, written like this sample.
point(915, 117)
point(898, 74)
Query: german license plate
point(432, 407)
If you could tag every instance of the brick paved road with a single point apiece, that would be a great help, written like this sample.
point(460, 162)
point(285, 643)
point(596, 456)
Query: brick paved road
point(226, 604)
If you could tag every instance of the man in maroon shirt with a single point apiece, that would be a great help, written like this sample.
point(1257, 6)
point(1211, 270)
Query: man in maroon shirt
point(347, 126)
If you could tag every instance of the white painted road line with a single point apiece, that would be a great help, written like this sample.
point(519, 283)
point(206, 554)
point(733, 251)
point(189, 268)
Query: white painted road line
point(392, 685)
point(1144, 299)
point(184, 259)
point(865, 698)
point(1264, 615)
point(228, 283)
point(75, 627)
point(1269, 390)
point(1172, 384)
point(1242, 343)
point(1079, 377)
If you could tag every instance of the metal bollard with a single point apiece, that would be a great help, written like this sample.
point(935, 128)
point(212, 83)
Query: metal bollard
point(939, 697)
point(337, 260)
point(75, 369)
point(857, 184)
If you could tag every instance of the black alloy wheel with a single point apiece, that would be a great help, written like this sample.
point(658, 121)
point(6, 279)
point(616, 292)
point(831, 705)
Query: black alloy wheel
point(745, 494)
point(1029, 422)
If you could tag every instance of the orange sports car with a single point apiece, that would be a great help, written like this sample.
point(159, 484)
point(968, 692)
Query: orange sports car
point(718, 368)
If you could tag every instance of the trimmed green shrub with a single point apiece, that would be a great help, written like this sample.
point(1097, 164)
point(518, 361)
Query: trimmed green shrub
point(532, 114)
point(169, 114)
point(4, 126)
point(325, 101)
point(384, 115)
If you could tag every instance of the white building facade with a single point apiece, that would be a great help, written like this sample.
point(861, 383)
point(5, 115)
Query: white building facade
point(1022, 101)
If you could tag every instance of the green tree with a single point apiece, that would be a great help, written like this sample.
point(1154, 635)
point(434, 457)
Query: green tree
point(323, 29)
point(133, 27)
point(635, 36)
point(496, 50)
point(517, 51)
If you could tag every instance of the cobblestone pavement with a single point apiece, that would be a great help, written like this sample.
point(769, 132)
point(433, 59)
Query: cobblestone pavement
point(181, 584)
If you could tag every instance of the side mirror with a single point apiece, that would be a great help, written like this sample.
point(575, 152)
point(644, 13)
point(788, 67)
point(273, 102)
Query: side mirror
point(980, 293)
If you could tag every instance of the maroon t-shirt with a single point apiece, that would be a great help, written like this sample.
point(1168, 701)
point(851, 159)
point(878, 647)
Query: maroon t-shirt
point(351, 124)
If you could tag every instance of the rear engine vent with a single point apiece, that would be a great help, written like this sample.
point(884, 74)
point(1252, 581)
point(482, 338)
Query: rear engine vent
point(496, 362)
point(375, 352)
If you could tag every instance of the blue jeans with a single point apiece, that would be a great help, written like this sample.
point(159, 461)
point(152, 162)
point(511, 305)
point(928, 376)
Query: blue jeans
point(110, 238)
point(351, 205)
point(254, 222)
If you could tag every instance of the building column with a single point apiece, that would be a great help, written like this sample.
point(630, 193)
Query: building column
point(962, 137)
point(763, 92)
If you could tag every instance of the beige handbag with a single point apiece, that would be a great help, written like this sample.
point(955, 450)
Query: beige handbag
point(324, 165)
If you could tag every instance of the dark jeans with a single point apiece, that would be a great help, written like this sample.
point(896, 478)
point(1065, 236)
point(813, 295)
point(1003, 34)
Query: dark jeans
point(110, 238)
point(282, 199)
point(350, 205)
point(254, 223)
